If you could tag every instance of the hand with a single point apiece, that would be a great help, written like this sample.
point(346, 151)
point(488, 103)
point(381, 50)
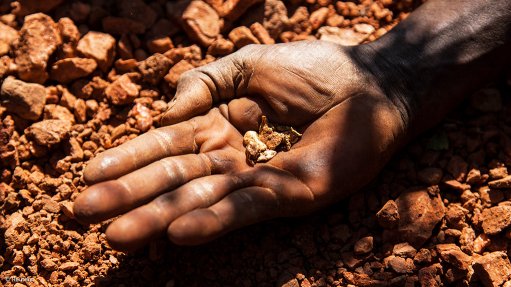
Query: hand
point(190, 179)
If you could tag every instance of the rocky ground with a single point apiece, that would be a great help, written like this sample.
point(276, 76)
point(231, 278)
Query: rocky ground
point(80, 77)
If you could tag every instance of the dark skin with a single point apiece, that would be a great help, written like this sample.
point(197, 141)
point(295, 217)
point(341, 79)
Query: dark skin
point(355, 106)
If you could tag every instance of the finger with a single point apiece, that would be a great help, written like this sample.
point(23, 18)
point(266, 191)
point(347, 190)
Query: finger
point(243, 207)
point(199, 88)
point(245, 113)
point(111, 198)
point(151, 146)
point(140, 225)
point(277, 194)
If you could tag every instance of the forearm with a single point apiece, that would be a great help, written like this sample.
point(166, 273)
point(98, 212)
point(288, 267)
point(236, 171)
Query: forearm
point(438, 55)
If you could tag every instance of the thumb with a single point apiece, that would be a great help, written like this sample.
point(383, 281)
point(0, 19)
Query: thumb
point(200, 88)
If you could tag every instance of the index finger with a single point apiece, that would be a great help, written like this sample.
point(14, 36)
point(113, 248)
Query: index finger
point(154, 145)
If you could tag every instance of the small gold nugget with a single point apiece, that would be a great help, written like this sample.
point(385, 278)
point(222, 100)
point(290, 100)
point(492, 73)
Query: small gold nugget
point(263, 146)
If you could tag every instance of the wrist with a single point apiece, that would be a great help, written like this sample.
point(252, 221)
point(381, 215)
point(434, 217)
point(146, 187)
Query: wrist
point(391, 74)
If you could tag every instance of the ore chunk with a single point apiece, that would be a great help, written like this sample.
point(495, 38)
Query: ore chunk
point(39, 38)
point(419, 214)
point(98, 46)
point(49, 132)
point(24, 99)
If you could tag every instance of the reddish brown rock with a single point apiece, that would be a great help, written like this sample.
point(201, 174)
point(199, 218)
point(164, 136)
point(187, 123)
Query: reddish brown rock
point(498, 172)
point(221, 47)
point(492, 269)
point(201, 22)
point(430, 276)
point(122, 91)
point(70, 37)
point(98, 46)
point(232, 9)
point(24, 99)
point(452, 254)
point(456, 185)
point(261, 34)
point(345, 37)
point(362, 280)
point(501, 183)
point(404, 250)
point(70, 69)
point(48, 132)
point(419, 213)
point(159, 44)
point(242, 36)
point(496, 219)
point(400, 264)
point(299, 23)
point(176, 71)
point(363, 245)
point(7, 36)
point(388, 216)
point(275, 17)
point(318, 17)
point(474, 177)
point(191, 54)
point(154, 68)
point(143, 116)
point(39, 38)
point(56, 112)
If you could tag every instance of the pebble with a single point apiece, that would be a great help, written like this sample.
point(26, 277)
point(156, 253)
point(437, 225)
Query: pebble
point(24, 99)
point(493, 269)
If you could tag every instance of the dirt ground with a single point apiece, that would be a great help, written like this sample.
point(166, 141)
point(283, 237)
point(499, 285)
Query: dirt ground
point(80, 77)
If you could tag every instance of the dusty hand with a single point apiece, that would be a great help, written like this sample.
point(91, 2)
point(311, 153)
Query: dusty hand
point(190, 178)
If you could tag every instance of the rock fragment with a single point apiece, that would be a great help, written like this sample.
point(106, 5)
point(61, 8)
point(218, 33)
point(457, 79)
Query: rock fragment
point(275, 17)
point(261, 34)
point(56, 112)
point(7, 36)
point(496, 219)
point(452, 254)
point(48, 132)
point(345, 37)
point(70, 69)
point(24, 99)
point(176, 71)
point(501, 183)
point(404, 250)
point(221, 47)
point(242, 36)
point(364, 245)
point(419, 214)
point(493, 269)
point(232, 9)
point(201, 22)
point(122, 91)
point(154, 68)
point(39, 38)
point(399, 264)
point(98, 46)
point(388, 216)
